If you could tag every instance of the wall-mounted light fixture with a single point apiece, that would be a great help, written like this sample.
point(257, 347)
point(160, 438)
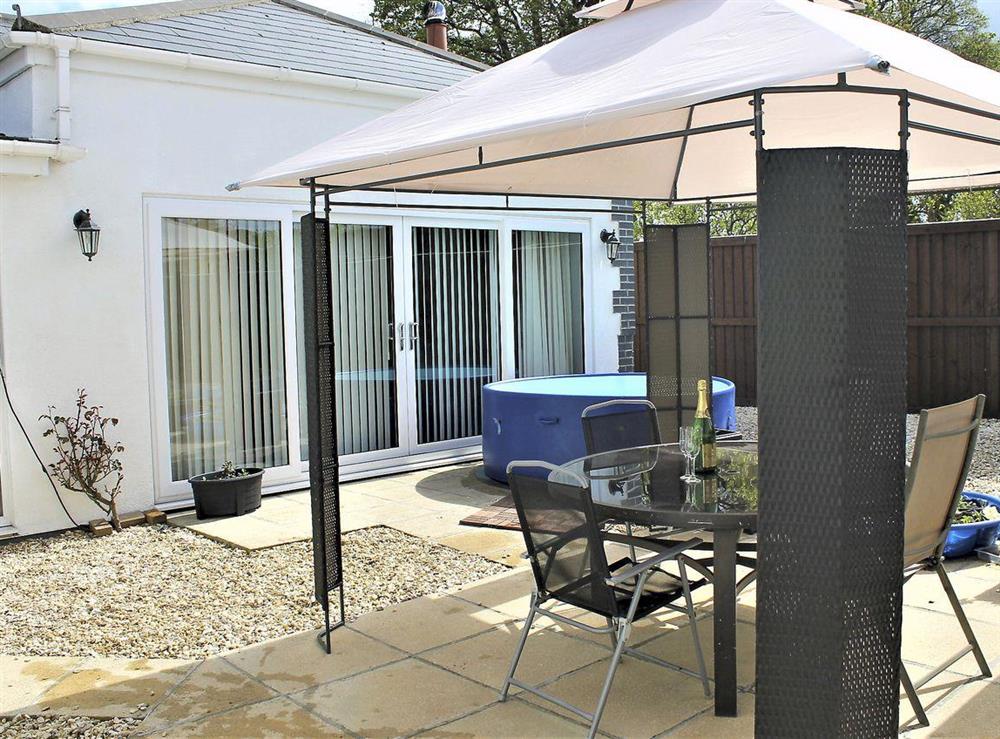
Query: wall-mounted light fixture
point(88, 232)
point(611, 242)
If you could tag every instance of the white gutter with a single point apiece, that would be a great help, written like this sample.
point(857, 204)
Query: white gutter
point(32, 158)
point(56, 152)
point(205, 63)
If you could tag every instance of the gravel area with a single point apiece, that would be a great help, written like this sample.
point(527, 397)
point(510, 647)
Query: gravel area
point(47, 727)
point(161, 591)
point(984, 477)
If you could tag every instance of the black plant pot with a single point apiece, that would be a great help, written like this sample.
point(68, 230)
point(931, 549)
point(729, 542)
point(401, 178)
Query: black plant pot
point(215, 495)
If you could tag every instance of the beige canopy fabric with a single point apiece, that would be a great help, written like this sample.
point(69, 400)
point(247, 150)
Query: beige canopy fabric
point(611, 8)
point(655, 103)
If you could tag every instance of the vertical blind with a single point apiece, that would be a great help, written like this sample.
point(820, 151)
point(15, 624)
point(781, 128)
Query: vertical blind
point(456, 295)
point(224, 344)
point(548, 303)
point(364, 338)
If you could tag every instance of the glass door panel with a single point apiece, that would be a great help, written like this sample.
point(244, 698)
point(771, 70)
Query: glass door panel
point(363, 294)
point(548, 302)
point(455, 332)
point(224, 328)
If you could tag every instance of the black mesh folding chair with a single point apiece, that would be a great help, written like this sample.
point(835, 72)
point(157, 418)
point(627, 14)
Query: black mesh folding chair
point(942, 455)
point(619, 424)
point(567, 551)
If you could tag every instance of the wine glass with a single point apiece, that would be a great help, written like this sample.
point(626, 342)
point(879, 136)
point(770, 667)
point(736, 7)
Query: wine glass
point(688, 445)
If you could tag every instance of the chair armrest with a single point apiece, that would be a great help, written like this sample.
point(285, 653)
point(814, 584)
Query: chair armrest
point(650, 544)
point(639, 567)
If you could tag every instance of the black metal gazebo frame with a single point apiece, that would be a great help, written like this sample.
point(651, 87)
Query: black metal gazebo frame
point(832, 277)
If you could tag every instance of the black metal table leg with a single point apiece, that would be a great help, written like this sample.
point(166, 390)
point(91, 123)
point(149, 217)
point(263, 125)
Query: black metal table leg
point(725, 620)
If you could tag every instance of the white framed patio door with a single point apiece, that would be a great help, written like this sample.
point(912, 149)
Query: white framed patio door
point(428, 309)
point(417, 333)
point(453, 328)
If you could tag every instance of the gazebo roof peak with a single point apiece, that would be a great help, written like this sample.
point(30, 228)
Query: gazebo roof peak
point(653, 103)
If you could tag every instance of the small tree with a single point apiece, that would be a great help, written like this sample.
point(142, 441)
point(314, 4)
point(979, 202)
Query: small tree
point(88, 463)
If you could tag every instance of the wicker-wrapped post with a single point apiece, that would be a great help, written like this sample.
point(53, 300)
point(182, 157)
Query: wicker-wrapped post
point(831, 346)
point(324, 483)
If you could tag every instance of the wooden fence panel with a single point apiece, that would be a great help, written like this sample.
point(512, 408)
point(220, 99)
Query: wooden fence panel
point(953, 313)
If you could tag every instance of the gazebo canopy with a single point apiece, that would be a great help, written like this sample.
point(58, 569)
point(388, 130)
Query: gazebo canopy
point(653, 103)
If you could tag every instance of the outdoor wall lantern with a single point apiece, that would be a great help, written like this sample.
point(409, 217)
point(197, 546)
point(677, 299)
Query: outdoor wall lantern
point(89, 233)
point(612, 242)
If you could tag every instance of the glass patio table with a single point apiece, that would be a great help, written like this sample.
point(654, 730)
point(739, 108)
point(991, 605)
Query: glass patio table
point(643, 486)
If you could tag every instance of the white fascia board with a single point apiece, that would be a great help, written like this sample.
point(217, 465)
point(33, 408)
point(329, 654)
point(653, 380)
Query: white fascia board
point(211, 64)
point(32, 158)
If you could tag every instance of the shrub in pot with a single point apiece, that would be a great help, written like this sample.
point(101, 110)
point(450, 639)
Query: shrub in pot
point(231, 491)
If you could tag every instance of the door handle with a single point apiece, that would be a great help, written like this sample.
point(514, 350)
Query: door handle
point(391, 336)
point(414, 334)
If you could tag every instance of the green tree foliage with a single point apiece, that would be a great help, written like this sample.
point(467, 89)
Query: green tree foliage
point(955, 206)
point(957, 25)
point(489, 31)
point(732, 219)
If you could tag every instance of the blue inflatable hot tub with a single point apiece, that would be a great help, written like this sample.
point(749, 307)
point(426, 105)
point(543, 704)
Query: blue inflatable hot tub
point(539, 417)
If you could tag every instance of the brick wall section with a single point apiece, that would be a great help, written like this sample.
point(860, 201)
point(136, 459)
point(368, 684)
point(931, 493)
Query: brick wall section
point(623, 298)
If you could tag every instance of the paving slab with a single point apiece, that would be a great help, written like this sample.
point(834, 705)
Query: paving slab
point(251, 531)
point(930, 638)
point(213, 686)
point(508, 592)
point(486, 657)
point(428, 622)
point(678, 648)
point(24, 679)
point(980, 598)
point(706, 725)
point(513, 718)
point(396, 700)
point(956, 706)
point(500, 546)
point(103, 687)
point(645, 699)
point(296, 662)
point(275, 718)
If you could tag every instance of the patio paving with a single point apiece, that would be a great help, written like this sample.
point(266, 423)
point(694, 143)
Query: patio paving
point(432, 666)
point(426, 503)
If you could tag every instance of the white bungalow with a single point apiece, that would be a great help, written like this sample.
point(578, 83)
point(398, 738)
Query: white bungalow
point(186, 323)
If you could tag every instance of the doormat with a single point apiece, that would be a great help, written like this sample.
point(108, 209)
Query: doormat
point(500, 514)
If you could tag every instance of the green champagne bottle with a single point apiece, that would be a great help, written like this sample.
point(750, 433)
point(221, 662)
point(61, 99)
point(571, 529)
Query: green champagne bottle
point(704, 431)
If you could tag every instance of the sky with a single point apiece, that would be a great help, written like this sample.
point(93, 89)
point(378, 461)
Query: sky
point(359, 9)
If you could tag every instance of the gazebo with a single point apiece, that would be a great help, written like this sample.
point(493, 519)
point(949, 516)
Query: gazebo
point(827, 120)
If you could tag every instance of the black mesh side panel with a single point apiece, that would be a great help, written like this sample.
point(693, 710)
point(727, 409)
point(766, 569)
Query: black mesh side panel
point(321, 398)
point(832, 346)
point(677, 321)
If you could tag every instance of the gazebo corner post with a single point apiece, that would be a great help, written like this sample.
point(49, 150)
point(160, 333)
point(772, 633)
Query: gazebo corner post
point(321, 396)
point(832, 406)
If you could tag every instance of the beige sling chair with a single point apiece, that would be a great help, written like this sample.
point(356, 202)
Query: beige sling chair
point(942, 455)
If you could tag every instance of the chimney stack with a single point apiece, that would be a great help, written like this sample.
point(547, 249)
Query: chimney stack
point(436, 24)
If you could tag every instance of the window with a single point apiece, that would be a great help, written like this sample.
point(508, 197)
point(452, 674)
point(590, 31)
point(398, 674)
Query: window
point(548, 303)
point(224, 336)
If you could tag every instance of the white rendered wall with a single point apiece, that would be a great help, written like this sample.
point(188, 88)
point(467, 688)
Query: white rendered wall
point(150, 131)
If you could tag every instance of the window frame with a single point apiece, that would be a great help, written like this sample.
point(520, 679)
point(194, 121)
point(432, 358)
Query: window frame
point(166, 489)
point(294, 475)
